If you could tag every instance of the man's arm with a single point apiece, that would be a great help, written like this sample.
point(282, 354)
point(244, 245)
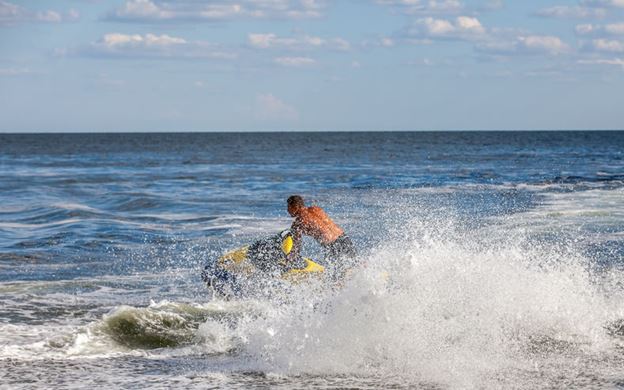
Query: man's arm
point(296, 230)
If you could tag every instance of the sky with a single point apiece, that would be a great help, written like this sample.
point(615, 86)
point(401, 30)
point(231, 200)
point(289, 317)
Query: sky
point(310, 65)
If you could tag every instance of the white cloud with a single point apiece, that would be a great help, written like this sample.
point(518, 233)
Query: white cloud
point(603, 3)
point(11, 14)
point(615, 61)
point(116, 45)
point(271, 108)
point(606, 38)
point(462, 28)
point(387, 42)
point(611, 46)
point(191, 10)
point(265, 41)
point(272, 41)
point(143, 9)
point(543, 43)
point(525, 44)
point(49, 16)
point(73, 15)
point(495, 42)
point(421, 62)
point(584, 29)
point(115, 40)
point(586, 9)
point(465, 23)
point(14, 71)
point(441, 7)
point(425, 7)
point(294, 61)
point(8, 10)
point(381, 42)
point(612, 29)
point(615, 28)
point(572, 12)
point(436, 27)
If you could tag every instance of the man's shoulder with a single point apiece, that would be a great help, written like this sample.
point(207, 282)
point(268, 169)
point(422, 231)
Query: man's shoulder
point(316, 211)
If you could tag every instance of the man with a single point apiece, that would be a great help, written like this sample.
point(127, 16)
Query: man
point(312, 221)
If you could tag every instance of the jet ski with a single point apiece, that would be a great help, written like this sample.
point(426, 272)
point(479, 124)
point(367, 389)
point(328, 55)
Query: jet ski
point(260, 268)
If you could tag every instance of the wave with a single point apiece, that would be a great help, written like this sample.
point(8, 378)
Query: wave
point(435, 302)
point(458, 309)
point(162, 327)
point(600, 177)
point(164, 324)
point(438, 305)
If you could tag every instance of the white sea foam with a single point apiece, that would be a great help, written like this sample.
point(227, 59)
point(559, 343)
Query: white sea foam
point(594, 215)
point(457, 310)
point(75, 206)
point(436, 302)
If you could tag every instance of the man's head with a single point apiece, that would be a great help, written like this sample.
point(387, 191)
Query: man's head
point(295, 204)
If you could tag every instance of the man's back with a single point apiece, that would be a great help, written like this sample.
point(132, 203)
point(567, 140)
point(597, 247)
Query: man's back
point(314, 222)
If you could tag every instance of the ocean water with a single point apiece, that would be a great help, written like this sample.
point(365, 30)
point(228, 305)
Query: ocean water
point(489, 260)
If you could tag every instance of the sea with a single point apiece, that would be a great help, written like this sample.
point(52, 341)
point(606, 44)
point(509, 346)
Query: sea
point(486, 260)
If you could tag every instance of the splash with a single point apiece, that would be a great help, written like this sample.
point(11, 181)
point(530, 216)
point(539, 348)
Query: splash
point(436, 303)
point(448, 306)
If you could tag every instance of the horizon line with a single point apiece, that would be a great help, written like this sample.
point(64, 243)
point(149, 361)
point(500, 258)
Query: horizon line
point(305, 131)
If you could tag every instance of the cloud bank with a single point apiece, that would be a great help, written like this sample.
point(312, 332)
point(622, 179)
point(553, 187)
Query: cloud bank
point(304, 42)
point(154, 11)
point(152, 46)
point(11, 14)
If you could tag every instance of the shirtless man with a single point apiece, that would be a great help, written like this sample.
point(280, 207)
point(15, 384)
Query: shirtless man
point(312, 221)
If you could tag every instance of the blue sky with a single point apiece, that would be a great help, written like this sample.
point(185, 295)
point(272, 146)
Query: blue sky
point(251, 65)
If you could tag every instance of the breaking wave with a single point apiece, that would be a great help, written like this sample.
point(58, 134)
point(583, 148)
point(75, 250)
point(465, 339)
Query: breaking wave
point(442, 305)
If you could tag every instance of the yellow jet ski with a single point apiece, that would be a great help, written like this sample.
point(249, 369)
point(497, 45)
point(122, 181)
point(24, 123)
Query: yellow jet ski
point(251, 269)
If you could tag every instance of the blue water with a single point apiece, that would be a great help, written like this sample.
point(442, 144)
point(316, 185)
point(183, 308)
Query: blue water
point(97, 227)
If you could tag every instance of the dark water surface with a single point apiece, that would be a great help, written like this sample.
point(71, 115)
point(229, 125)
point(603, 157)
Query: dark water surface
point(504, 250)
